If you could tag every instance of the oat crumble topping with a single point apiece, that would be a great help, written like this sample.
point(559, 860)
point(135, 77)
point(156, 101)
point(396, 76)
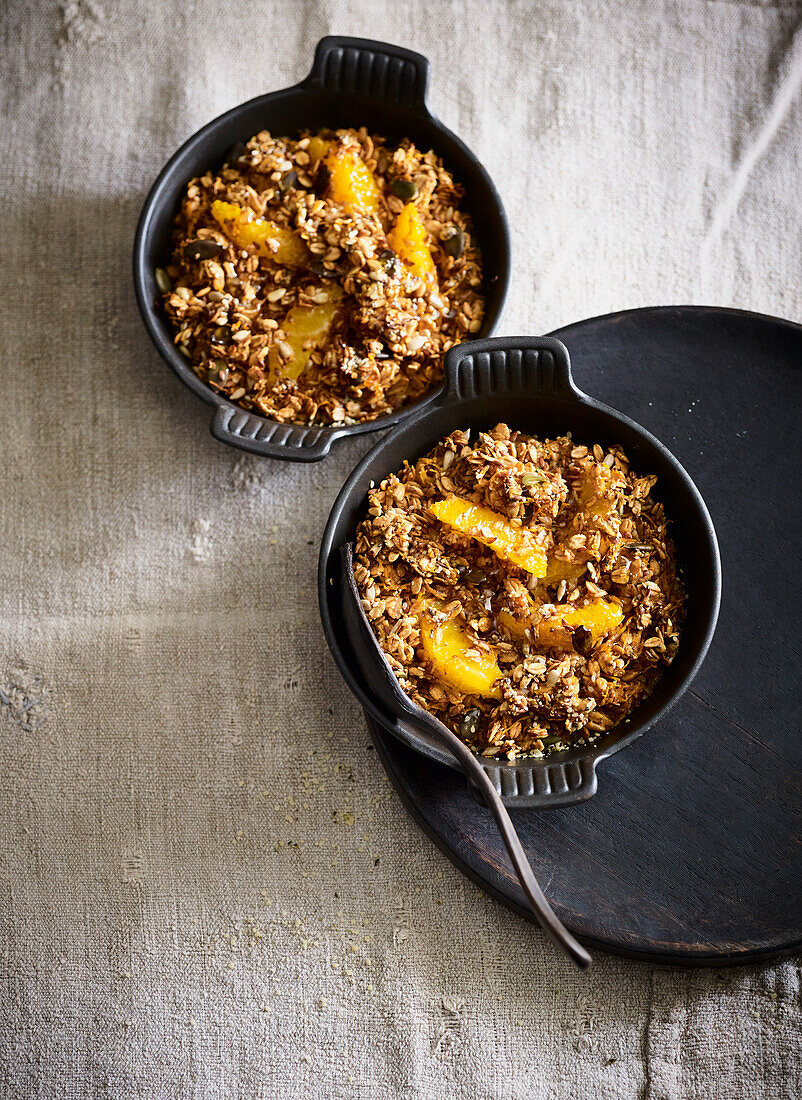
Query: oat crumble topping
point(525, 591)
point(322, 279)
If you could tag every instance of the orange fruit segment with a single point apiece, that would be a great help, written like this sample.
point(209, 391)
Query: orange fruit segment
point(410, 242)
point(519, 629)
point(554, 632)
point(318, 148)
point(351, 182)
point(275, 242)
point(455, 661)
point(598, 617)
point(559, 569)
point(596, 490)
point(513, 544)
point(305, 327)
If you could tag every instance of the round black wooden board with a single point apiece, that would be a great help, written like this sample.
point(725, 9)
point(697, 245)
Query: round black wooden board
point(690, 851)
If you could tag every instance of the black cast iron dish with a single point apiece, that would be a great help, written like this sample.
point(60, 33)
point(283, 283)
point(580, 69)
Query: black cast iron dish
point(353, 82)
point(525, 382)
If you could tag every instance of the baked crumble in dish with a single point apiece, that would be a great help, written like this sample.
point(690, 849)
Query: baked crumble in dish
point(525, 591)
point(320, 280)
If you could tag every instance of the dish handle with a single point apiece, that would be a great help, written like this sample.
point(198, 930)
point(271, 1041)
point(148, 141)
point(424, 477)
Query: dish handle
point(521, 785)
point(539, 787)
point(365, 67)
point(518, 364)
point(292, 442)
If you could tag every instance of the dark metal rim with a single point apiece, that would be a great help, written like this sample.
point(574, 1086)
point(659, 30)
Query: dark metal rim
point(721, 310)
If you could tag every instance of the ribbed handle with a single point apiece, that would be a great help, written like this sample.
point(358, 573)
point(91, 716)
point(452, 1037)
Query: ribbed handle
point(375, 69)
point(294, 442)
point(518, 364)
point(544, 785)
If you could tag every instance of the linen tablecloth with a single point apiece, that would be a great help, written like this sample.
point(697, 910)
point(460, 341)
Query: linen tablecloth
point(174, 922)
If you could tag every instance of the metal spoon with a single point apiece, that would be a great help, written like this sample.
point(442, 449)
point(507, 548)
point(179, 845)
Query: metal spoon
point(544, 914)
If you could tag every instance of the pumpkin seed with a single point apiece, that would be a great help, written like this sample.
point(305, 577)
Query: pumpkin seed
point(202, 250)
point(582, 639)
point(163, 280)
point(218, 371)
point(236, 152)
point(469, 722)
point(288, 181)
point(387, 257)
point(455, 244)
point(406, 190)
point(320, 269)
point(221, 334)
point(475, 576)
point(322, 177)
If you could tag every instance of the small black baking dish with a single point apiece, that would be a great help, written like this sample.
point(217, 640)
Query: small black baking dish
point(526, 383)
point(354, 82)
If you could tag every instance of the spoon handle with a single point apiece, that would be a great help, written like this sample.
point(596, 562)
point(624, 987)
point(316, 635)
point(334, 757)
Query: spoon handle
point(546, 917)
point(386, 679)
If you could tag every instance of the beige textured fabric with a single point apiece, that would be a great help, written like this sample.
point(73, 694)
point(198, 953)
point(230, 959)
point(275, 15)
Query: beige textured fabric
point(173, 923)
